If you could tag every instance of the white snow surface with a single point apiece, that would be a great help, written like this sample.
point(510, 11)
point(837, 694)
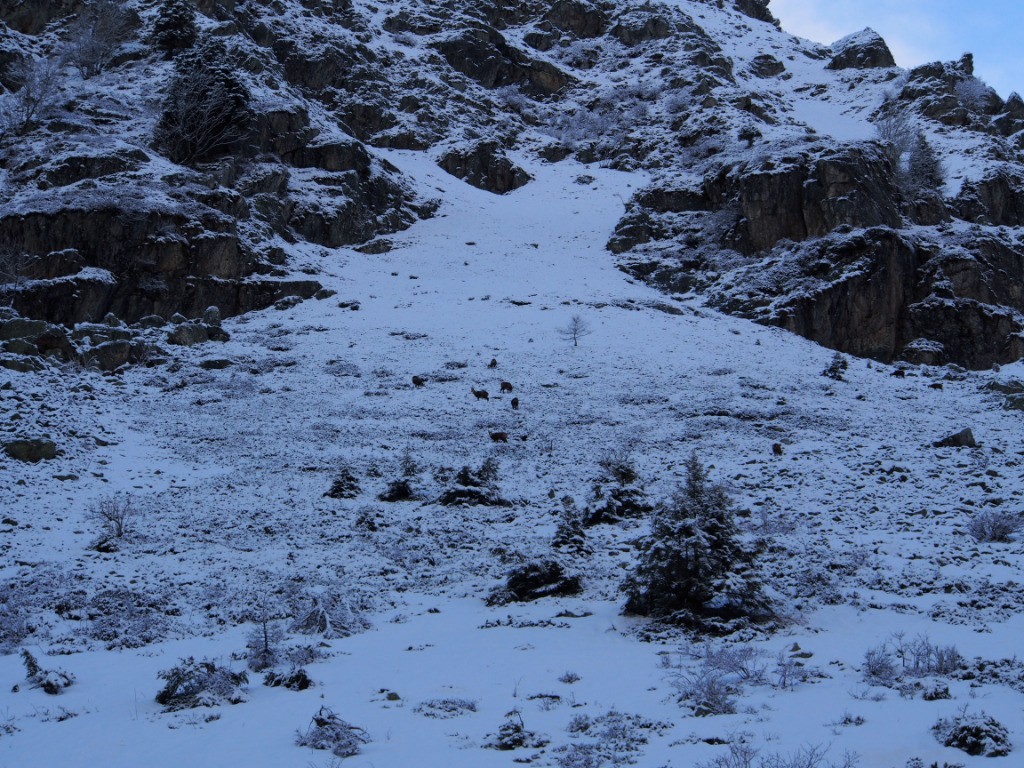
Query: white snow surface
point(229, 468)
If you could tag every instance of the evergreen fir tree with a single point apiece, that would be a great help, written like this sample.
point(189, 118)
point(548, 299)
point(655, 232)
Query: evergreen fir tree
point(570, 536)
point(924, 169)
point(693, 569)
point(175, 27)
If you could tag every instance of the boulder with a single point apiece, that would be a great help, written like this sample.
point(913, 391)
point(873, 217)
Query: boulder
point(962, 439)
point(642, 26)
point(110, 355)
point(577, 17)
point(31, 450)
point(188, 334)
point(862, 50)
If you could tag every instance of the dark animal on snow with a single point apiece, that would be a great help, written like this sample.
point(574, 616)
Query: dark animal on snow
point(493, 363)
point(777, 449)
point(418, 382)
point(499, 437)
point(480, 394)
point(515, 403)
point(506, 387)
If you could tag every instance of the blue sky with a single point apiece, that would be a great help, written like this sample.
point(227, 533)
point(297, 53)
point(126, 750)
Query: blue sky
point(919, 31)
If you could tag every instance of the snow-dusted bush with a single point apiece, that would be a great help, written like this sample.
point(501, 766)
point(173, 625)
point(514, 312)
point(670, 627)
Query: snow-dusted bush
point(206, 112)
point(975, 94)
point(513, 735)
point(612, 739)
point(329, 732)
point(994, 526)
point(328, 614)
point(880, 665)
point(94, 37)
point(976, 734)
point(200, 684)
point(708, 691)
point(52, 681)
point(443, 709)
point(263, 646)
point(900, 657)
point(837, 368)
point(618, 493)
point(745, 756)
point(36, 98)
point(924, 172)
point(693, 570)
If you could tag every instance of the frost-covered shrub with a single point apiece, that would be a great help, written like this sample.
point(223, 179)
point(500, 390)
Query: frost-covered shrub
point(708, 691)
point(570, 535)
point(879, 665)
point(975, 94)
point(52, 681)
point(94, 37)
point(443, 709)
point(612, 739)
point(475, 487)
point(328, 614)
point(295, 680)
point(543, 578)
point(125, 618)
point(263, 646)
point(329, 732)
point(976, 734)
point(36, 97)
point(994, 526)
point(200, 684)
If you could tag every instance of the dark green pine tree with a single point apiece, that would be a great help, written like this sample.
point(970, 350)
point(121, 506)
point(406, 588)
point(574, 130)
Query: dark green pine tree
point(175, 26)
point(693, 569)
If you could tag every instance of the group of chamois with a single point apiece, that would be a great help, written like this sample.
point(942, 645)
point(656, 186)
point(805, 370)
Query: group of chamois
point(482, 394)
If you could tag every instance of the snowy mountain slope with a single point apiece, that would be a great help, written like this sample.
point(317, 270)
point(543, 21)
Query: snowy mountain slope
point(256, 466)
point(229, 467)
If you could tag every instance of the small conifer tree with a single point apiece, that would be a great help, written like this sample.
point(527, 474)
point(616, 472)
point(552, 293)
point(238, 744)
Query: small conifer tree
point(693, 569)
point(175, 27)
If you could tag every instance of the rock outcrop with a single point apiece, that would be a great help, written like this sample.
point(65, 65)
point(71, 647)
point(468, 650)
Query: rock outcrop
point(862, 50)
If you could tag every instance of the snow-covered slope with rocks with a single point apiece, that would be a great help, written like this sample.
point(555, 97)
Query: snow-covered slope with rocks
point(323, 471)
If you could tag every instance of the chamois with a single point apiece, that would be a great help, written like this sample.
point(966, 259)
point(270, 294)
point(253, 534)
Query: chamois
point(481, 394)
point(506, 387)
point(493, 363)
point(515, 403)
point(499, 437)
point(418, 382)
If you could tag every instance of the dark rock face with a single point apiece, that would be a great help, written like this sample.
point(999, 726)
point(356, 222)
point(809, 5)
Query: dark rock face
point(998, 199)
point(962, 439)
point(878, 294)
point(30, 17)
point(637, 27)
point(863, 50)
point(850, 187)
point(767, 65)
point(756, 9)
point(485, 167)
point(577, 17)
point(483, 55)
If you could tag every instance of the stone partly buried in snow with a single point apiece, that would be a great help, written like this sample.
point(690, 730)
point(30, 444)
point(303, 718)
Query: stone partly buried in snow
point(31, 450)
point(962, 439)
point(192, 333)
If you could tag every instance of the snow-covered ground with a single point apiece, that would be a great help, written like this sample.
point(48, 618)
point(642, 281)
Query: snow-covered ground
point(862, 520)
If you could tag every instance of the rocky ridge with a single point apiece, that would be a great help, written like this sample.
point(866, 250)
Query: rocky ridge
point(778, 188)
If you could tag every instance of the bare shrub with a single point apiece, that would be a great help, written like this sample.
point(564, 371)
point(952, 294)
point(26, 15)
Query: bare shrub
point(329, 732)
point(36, 98)
point(917, 658)
point(879, 665)
point(14, 270)
point(995, 527)
point(897, 130)
point(116, 516)
point(745, 756)
point(975, 94)
point(443, 709)
point(94, 37)
point(709, 691)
